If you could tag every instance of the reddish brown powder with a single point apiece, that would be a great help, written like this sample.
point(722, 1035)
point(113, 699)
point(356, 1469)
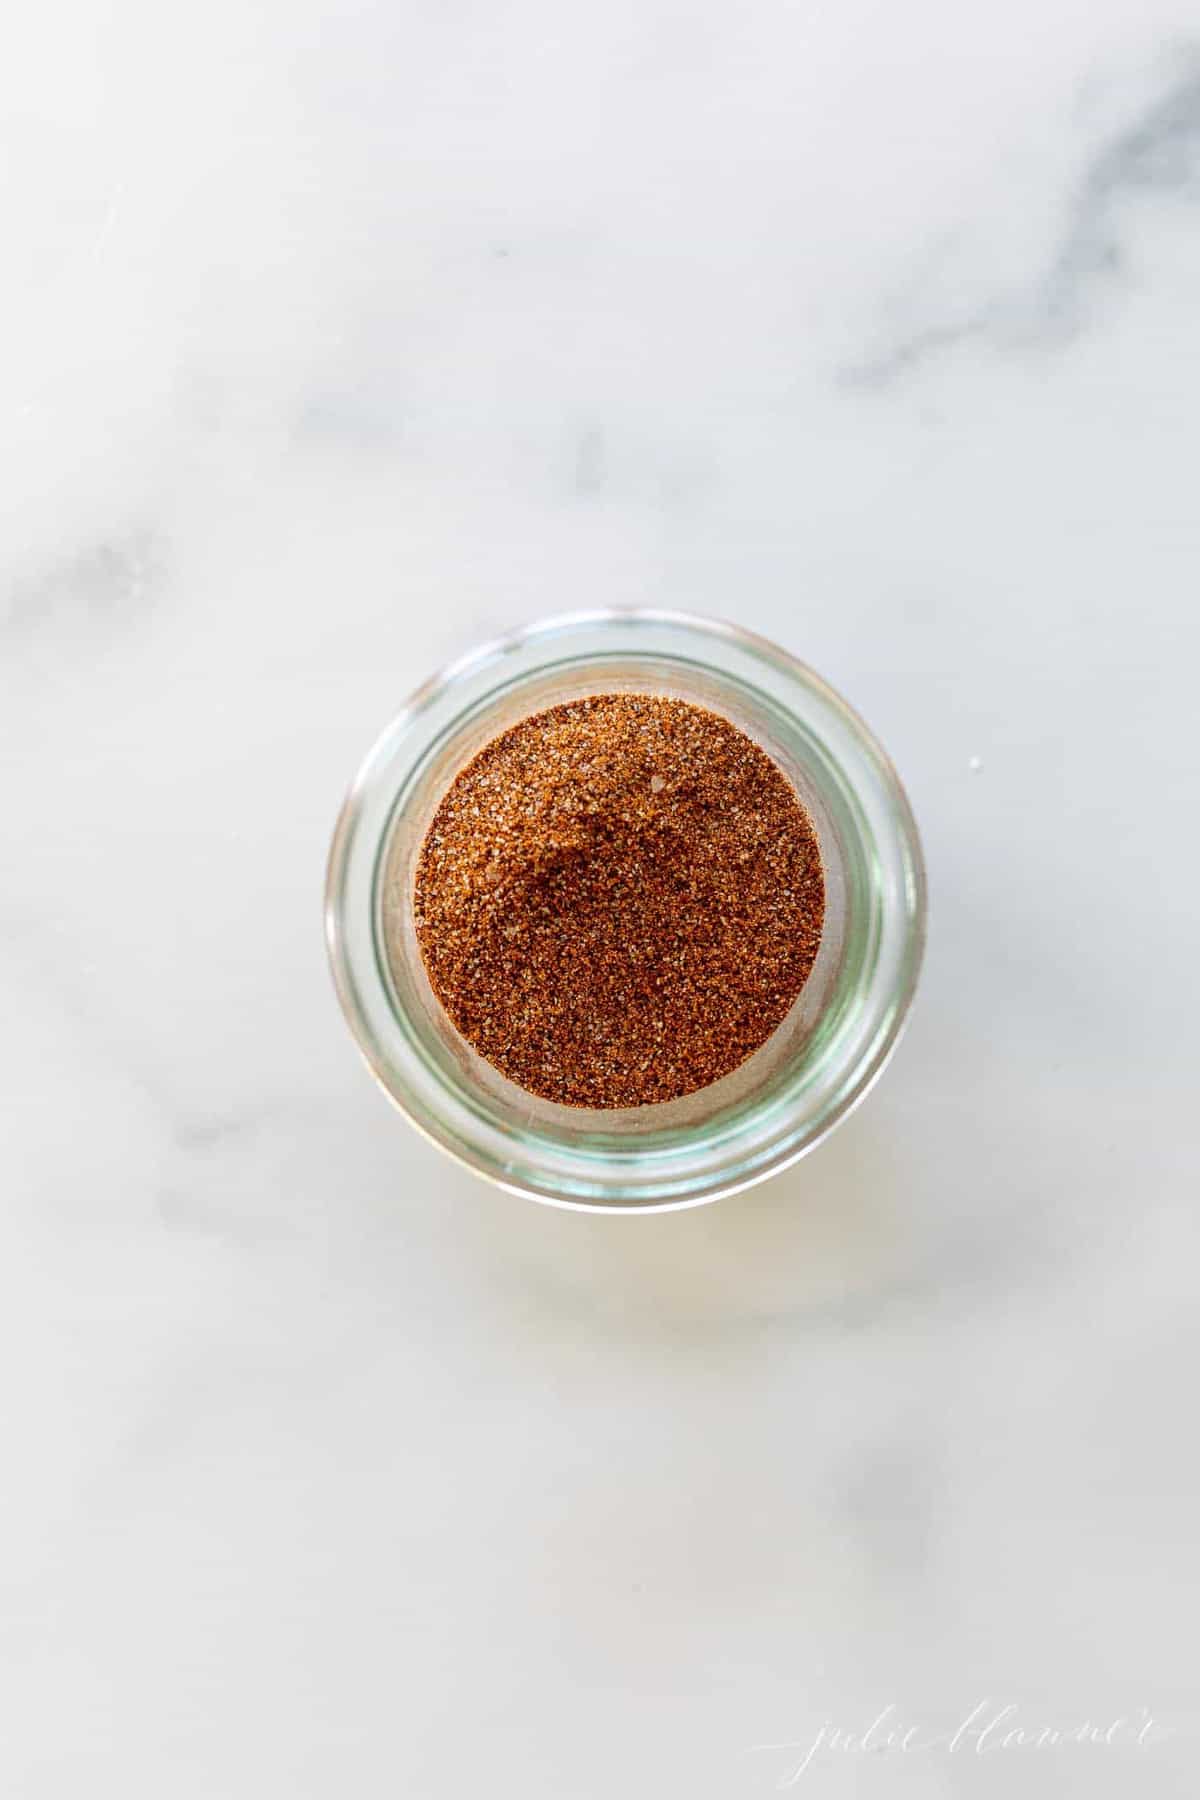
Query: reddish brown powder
point(618, 900)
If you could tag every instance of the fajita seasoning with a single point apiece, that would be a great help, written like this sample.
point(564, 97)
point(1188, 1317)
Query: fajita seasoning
point(618, 900)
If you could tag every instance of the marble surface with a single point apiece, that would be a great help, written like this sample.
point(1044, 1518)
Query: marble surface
point(336, 338)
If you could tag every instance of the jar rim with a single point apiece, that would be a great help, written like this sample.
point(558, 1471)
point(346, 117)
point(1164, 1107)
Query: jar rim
point(474, 678)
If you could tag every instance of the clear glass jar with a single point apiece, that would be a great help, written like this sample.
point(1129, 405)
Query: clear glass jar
point(811, 1072)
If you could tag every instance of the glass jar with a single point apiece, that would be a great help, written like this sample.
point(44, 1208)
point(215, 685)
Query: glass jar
point(791, 1092)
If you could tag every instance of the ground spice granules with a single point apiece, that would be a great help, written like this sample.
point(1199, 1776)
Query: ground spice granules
point(618, 900)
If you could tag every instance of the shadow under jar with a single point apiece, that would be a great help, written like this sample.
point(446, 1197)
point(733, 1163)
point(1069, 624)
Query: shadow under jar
point(784, 1098)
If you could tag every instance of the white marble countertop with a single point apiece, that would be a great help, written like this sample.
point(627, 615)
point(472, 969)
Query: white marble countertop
point(335, 339)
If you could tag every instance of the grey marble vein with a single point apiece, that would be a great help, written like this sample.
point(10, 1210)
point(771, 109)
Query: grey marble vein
point(1157, 155)
point(87, 597)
